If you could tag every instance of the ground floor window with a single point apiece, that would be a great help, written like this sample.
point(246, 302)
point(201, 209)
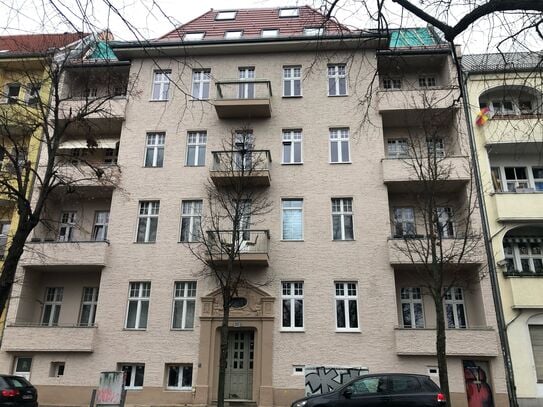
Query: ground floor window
point(134, 373)
point(536, 336)
point(22, 367)
point(179, 377)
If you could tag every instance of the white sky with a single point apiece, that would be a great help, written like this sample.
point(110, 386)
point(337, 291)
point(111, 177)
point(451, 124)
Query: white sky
point(153, 18)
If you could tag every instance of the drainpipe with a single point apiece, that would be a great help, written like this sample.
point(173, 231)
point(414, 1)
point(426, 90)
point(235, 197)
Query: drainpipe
point(498, 306)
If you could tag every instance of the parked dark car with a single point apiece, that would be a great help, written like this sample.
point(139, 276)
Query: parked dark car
point(385, 389)
point(16, 391)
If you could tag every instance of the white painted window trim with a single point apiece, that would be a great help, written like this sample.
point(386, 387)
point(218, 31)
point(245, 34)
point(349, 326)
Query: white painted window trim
point(289, 136)
point(200, 77)
point(291, 297)
point(92, 303)
point(454, 302)
point(161, 77)
point(55, 303)
point(342, 213)
point(179, 386)
point(411, 301)
point(154, 141)
point(337, 78)
point(292, 79)
point(184, 298)
point(337, 135)
point(148, 214)
point(133, 375)
point(139, 299)
point(346, 298)
point(301, 209)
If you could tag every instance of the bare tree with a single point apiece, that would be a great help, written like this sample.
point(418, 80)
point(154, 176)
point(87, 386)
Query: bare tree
point(59, 102)
point(227, 241)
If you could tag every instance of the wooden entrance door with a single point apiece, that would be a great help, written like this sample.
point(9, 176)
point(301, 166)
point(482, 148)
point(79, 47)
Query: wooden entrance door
point(239, 368)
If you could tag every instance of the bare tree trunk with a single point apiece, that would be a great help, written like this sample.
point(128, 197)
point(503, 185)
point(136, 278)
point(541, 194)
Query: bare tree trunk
point(223, 348)
point(441, 347)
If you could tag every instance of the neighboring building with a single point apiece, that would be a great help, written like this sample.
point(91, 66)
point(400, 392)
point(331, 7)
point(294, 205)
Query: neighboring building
point(24, 83)
point(118, 288)
point(509, 149)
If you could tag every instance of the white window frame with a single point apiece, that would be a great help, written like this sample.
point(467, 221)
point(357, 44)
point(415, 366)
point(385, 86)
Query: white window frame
point(522, 184)
point(5, 227)
point(22, 373)
point(450, 299)
point(427, 81)
point(269, 32)
point(100, 226)
point(338, 135)
point(181, 367)
point(198, 141)
point(436, 144)
point(342, 213)
point(445, 221)
point(404, 220)
point(233, 35)
point(184, 292)
point(226, 15)
point(392, 83)
point(151, 209)
point(515, 257)
point(399, 147)
point(292, 291)
point(337, 77)
point(313, 31)
point(297, 209)
point(133, 366)
point(194, 36)
point(143, 295)
point(246, 90)
point(161, 78)
point(55, 303)
point(193, 212)
point(201, 77)
point(293, 75)
point(289, 12)
point(411, 299)
point(68, 225)
point(12, 99)
point(346, 298)
point(292, 137)
point(154, 141)
point(92, 303)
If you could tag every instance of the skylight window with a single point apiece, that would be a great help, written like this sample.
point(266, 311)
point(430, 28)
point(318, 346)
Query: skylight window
point(230, 35)
point(194, 36)
point(226, 15)
point(313, 31)
point(289, 12)
point(270, 33)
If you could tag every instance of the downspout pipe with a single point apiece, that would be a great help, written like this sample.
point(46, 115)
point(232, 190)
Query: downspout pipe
point(498, 306)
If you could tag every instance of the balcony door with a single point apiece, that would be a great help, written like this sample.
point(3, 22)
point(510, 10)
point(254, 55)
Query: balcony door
point(243, 151)
point(244, 225)
point(239, 368)
point(246, 90)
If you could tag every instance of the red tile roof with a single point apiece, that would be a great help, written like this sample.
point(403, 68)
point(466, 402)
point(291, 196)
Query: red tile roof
point(36, 43)
point(253, 21)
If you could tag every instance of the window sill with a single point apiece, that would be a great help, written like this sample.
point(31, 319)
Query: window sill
point(348, 331)
point(178, 389)
point(158, 100)
point(343, 240)
point(195, 166)
point(292, 240)
point(301, 330)
point(337, 96)
point(293, 97)
point(133, 388)
point(182, 329)
point(529, 274)
point(155, 167)
point(198, 100)
point(144, 243)
point(135, 329)
point(300, 163)
point(339, 162)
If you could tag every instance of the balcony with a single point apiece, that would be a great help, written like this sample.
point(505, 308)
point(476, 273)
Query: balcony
point(229, 167)
point(472, 342)
point(519, 206)
point(113, 108)
point(253, 247)
point(36, 338)
point(415, 251)
point(512, 129)
point(89, 175)
point(401, 174)
point(67, 255)
point(526, 290)
point(243, 99)
point(417, 99)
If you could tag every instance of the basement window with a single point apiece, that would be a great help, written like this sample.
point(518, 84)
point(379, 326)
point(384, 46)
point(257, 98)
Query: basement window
point(226, 15)
point(289, 12)
point(57, 369)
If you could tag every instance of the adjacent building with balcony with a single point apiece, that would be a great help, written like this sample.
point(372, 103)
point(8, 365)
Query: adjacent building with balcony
point(507, 88)
point(278, 97)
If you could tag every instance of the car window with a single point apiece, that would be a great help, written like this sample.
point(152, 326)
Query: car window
point(370, 385)
point(17, 382)
point(404, 384)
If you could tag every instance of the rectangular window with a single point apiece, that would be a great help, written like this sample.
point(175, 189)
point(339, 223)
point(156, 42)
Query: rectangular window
point(526, 107)
point(445, 222)
point(269, 33)
point(89, 302)
point(292, 305)
point(435, 146)
point(412, 311)
point(4, 233)
point(292, 211)
point(101, 221)
point(231, 35)
point(148, 221)
point(427, 81)
point(516, 178)
point(191, 218)
point(536, 337)
point(397, 148)
point(288, 12)
point(33, 94)
point(161, 85)
point(184, 303)
point(51, 306)
point(196, 148)
point(524, 255)
point(342, 219)
point(133, 378)
point(22, 367)
point(502, 107)
point(12, 93)
point(496, 179)
point(292, 146)
point(194, 36)
point(246, 90)
point(346, 306)
point(337, 80)
point(392, 83)
point(454, 308)
point(226, 15)
point(537, 173)
point(67, 226)
point(404, 222)
point(179, 377)
point(154, 149)
point(200, 83)
point(138, 305)
point(57, 369)
point(313, 31)
point(292, 81)
point(339, 146)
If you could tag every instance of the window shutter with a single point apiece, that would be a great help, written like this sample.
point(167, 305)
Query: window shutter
point(536, 335)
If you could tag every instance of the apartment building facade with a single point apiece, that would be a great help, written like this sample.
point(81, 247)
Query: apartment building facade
point(507, 90)
point(113, 285)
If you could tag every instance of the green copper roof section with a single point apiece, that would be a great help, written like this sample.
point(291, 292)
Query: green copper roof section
point(103, 51)
point(413, 37)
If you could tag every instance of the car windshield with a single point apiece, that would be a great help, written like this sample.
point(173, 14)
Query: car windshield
point(14, 381)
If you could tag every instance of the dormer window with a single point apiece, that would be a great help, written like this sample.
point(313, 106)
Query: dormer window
point(194, 36)
point(270, 33)
point(313, 31)
point(230, 35)
point(226, 15)
point(289, 12)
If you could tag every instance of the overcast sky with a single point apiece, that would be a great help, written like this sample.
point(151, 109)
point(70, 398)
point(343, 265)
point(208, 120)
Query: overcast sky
point(131, 19)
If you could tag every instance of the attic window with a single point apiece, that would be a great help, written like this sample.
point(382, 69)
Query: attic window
point(230, 35)
point(270, 33)
point(313, 31)
point(194, 36)
point(226, 15)
point(289, 12)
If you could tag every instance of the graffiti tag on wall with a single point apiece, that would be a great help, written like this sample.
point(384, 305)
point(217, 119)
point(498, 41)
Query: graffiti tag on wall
point(324, 379)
